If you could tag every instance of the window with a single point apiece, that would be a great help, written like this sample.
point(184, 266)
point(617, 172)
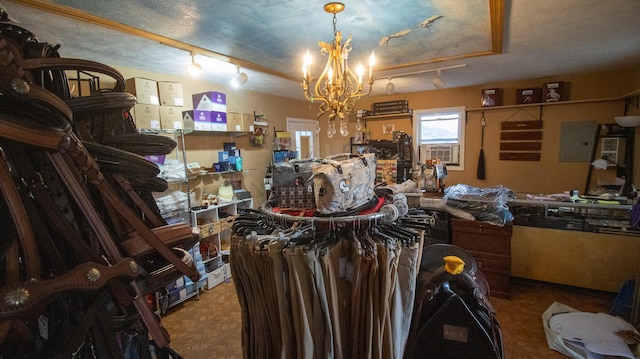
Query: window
point(439, 134)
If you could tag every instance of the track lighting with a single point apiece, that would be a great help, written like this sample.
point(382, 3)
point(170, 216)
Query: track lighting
point(437, 81)
point(194, 69)
point(239, 79)
point(390, 87)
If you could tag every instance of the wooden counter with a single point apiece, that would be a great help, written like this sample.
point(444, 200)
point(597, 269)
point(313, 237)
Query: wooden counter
point(598, 261)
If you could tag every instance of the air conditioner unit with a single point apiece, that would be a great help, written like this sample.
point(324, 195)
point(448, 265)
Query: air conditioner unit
point(445, 153)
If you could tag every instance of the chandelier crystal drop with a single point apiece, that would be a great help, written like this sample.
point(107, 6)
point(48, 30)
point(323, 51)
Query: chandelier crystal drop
point(338, 86)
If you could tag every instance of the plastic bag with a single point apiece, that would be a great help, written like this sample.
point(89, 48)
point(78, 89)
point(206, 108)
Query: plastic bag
point(484, 204)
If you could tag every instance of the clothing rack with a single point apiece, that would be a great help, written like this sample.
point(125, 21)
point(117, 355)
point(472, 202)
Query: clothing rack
point(383, 216)
point(347, 295)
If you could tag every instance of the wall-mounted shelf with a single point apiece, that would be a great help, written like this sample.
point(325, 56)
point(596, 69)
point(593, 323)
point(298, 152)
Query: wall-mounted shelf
point(543, 104)
point(217, 133)
point(392, 116)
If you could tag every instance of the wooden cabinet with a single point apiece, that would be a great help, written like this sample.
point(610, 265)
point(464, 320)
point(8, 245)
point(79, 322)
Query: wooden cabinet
point(491, 247)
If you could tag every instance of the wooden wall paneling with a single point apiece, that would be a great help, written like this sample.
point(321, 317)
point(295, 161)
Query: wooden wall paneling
point(520, 140)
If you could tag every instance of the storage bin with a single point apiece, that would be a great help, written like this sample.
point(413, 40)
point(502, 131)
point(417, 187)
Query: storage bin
point(215, 277)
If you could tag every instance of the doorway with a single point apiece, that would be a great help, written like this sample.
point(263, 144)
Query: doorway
point(304, 138)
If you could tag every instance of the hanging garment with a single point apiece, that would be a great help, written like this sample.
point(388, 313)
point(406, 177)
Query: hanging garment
point(332, 293)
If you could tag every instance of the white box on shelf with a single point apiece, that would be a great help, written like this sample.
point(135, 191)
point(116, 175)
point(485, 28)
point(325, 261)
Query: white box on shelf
point(215, 277)
point(171, 117)
point(234, 122)
point(170, 93)
point(187, 121)
point(210, 101)
point(146, 116)
point(145, 90)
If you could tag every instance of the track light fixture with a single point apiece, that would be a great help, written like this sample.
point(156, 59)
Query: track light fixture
point(437, 81)
point(390, 87)
point(239, 79)
point(194, 69)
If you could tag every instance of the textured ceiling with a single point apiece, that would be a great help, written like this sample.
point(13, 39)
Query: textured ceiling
point(268, 38)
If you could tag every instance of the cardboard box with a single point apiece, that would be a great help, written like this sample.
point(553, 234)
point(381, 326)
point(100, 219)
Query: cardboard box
point(247, 122)
point(170, 117)
point(157, 159)
point(145, 90)
point(491, 97)
point(553, 91)
point(223, 156)
point(234, 122)
point(209, 120)
point(170, 93)
point(531, 95)
point(187, 121)
point(218, 121)
point(210, 101)
point(146, 116)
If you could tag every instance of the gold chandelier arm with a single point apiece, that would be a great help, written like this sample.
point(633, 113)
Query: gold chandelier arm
point(338, 86)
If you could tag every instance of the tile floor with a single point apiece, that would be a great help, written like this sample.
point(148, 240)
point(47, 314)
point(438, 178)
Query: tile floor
point(209, 327)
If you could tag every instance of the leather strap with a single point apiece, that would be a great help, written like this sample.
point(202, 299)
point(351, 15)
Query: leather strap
point(171, 235)
point(22, 296)
point(107, 243)
point(90, 168)
point(99, 104)
point(30, 133)
point(152, 216)
point(63, 64)
point(20, 219)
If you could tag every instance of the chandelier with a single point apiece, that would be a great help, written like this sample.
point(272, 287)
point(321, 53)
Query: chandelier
point(338, 87)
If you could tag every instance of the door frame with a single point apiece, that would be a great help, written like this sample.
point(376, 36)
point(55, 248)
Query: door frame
point(307, 122)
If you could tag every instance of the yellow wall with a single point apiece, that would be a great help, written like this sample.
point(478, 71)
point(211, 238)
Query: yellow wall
point(545, 176)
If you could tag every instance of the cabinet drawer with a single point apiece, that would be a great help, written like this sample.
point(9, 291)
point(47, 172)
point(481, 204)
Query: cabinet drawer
point(492, 262)
point(479, 227)
point(488, 244)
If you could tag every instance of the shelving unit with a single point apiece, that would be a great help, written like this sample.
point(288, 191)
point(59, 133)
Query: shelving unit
point(214, 223)
point(218, 133)
point(212, 269)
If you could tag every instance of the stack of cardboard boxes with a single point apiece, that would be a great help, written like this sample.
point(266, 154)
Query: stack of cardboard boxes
point(209, 111)
point(159, 104)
